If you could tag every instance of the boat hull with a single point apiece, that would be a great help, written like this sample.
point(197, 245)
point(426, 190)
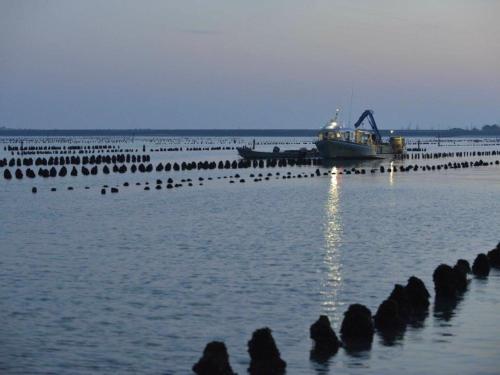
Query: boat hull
point(332, 149)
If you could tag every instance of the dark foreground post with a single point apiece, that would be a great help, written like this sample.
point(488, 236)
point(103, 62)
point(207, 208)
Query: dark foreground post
point(215, 360)
point(264, 354)
point(326, 342)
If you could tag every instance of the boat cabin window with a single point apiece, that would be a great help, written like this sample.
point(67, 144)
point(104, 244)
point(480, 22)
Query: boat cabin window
point(344, 136)
point(363, 137)
point(338, 135)
point(335, 135)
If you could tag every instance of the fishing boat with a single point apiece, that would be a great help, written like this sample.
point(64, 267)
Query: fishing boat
point(338, 142)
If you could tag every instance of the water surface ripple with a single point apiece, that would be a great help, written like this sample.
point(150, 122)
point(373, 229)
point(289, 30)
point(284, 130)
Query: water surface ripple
point(139, 282)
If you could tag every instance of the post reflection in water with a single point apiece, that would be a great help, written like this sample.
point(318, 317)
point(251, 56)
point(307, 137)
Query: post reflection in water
point(391, 173)
point(333, 235)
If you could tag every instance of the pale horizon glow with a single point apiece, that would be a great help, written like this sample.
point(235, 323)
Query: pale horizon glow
point(227, 64)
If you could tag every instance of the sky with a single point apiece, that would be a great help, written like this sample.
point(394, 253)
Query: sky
point(261, 64)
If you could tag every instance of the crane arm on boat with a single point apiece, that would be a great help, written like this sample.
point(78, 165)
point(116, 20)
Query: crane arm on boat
point(369, 113)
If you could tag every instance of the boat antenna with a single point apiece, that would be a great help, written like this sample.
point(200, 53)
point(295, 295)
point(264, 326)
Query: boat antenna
point(336, 114)
point(350, 107)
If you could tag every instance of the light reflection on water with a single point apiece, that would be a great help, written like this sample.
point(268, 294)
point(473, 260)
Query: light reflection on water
point(333, 236)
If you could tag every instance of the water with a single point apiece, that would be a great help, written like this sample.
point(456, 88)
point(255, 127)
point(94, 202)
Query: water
point(140, 281)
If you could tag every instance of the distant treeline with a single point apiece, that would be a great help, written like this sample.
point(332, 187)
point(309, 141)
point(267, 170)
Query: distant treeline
point(487, 130)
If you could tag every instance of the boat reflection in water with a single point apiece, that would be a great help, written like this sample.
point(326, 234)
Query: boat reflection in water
point(337, 165)
point(341, 165)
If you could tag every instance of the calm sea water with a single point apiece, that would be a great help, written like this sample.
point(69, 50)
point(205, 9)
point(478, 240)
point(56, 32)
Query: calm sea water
point(140, 281)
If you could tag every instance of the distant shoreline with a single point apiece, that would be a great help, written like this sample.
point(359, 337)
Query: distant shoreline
point(6, 132)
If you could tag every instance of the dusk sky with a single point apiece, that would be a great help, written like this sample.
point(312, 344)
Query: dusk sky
point(248, 64)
